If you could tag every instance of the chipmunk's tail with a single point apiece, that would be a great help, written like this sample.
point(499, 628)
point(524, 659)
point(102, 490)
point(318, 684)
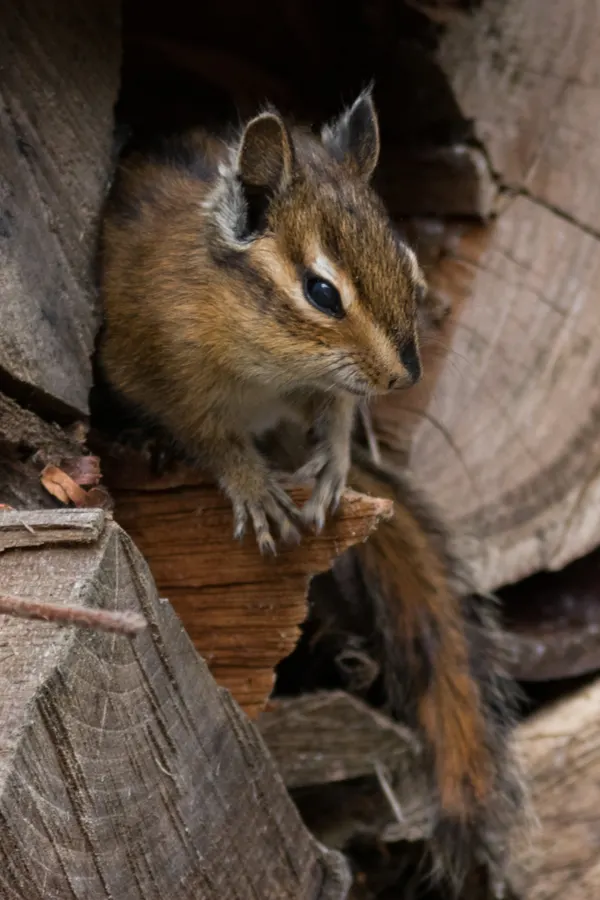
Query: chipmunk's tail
point(443, 671)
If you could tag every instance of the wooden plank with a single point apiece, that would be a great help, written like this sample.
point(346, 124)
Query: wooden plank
point(531, 85)
point(37, 528)
point(504, 432)
point(560, 748)
point(124, 770)
point(58, 84)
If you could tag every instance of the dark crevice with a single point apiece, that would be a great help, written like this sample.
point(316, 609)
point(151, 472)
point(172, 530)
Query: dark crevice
point(34, 399)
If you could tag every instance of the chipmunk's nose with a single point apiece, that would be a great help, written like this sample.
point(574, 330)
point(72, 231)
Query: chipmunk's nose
point(410, 372)
point(411, 360)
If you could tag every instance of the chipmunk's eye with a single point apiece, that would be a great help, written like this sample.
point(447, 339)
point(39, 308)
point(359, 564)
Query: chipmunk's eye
point(323, 295)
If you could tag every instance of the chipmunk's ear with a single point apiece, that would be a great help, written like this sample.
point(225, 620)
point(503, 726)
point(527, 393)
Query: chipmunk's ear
point(264, 165)
point(354, 137)
point(266, 156)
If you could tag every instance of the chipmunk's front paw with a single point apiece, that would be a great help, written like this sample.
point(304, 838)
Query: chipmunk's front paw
point(271, 504)
point(330, 469)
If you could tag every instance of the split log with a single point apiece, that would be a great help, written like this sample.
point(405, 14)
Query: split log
point(121, 761)
point(242, 611)
point(58, 85)
point(531, 85)
point(351, 737)
point(560, 751)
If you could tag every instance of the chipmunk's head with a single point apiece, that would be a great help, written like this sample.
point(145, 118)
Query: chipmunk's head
point(320, 256)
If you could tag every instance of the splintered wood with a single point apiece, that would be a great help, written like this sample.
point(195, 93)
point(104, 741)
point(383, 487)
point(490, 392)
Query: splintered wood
point(242, 611)
point(121, 761)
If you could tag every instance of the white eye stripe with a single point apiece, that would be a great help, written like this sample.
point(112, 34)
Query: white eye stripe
point(324, 268)
point(414, 264)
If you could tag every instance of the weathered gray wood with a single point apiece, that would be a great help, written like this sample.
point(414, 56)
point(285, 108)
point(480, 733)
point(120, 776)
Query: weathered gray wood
point(125, 772)
point(58, 83)
point(561, 753)
point(37, 528)
point(323, 742)
point(332, 736)
point(531, 85)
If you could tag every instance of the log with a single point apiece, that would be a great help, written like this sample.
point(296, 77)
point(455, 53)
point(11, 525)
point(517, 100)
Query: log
point(531, 85)
point(351, 738)
point(58, 85)
point(504, 432)
point(242, 611)
point(121, 761)
point(353, 769)
point(560, 750)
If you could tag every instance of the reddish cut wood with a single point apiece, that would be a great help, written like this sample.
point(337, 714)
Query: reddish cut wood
point(242, 611)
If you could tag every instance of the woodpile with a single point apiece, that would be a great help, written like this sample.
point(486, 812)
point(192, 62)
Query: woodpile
point(162, 734)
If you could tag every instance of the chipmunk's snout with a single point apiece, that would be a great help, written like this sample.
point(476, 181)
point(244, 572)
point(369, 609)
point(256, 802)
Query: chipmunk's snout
point(411, 371)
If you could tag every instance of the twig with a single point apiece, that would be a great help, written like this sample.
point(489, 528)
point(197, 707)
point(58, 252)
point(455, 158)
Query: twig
point(388, 792)
point(126, 623)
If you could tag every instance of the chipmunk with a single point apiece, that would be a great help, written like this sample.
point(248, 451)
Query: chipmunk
point(251, 280)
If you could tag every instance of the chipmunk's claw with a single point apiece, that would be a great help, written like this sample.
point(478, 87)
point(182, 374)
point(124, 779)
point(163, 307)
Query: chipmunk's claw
point(273, 505)
point(331, 474)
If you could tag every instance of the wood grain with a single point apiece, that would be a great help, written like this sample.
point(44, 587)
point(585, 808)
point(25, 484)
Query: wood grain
point(41, 528)
point(504, 433)
point(125, 772)
point(561, 754)
point(331, 736)
point(58, 84)
point(531, 84)
point(242, 611)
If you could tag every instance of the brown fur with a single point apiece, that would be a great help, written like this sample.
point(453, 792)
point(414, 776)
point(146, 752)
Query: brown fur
point(207, 329)
point(444, 671)
point(428, 618)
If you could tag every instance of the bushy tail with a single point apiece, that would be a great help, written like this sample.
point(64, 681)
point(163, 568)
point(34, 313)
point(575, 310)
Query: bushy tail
point(443, 670)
